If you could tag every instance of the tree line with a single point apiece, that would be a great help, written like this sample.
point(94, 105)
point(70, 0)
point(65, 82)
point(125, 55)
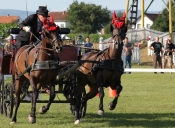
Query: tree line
point(90, 19)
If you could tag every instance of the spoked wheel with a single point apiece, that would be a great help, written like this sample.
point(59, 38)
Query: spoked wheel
point(8, 100)
point(1, 102)
point(24, 90)
point(83, 108)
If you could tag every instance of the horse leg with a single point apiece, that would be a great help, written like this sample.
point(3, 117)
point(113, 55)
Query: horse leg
point(100, 85)
point(44, 109)
point(32, 116)
point(78, 105)
point(101, 96)
point(18, 85)
point(92, 93)
point(113, 104)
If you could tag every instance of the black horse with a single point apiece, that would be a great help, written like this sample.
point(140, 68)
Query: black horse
point(105, 70)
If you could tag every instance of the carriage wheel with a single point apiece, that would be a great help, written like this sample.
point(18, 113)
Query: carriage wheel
point(8, 100)
point(83, 111)
point(1, 106)
point(24, 90)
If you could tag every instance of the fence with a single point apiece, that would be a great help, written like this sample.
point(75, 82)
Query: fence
point(135, 52)
point(137, 35)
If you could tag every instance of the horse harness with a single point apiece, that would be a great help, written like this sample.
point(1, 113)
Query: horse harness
point(110, 64)
point(39, 65)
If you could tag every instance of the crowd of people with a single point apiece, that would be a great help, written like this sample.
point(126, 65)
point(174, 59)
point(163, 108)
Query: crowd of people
point(162, 54)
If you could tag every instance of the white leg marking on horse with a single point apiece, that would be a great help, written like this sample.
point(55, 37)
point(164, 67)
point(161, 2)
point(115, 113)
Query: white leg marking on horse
point(77, 122)
point(100, 112)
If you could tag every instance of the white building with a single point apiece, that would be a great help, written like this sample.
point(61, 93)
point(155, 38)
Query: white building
point(149, 18)
point(60, 18)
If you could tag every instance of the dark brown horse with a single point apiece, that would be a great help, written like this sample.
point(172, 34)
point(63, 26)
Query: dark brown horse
point(38, 65)
point(106, 70)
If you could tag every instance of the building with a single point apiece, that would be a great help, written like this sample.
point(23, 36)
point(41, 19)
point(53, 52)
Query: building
point(149, 18)
point(9, 19)
point(60, 18)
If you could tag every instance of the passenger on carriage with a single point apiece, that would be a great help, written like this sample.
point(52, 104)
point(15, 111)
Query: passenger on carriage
point(7, 45)
point(31, 25)
point(11, 42)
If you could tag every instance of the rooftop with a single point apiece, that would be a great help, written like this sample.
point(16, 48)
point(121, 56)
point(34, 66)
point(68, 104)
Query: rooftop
point(59, 15)
point(8, 19)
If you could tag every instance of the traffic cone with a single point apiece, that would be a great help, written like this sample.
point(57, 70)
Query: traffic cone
point(112, 93)
point(90, 89)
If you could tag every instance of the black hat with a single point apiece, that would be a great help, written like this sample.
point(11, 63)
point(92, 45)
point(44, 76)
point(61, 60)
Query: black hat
point(42, 10)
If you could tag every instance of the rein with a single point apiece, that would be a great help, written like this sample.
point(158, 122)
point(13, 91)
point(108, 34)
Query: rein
point(39, 47)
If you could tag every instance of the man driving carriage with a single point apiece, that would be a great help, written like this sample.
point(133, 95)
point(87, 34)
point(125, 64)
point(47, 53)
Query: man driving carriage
point(31, 27)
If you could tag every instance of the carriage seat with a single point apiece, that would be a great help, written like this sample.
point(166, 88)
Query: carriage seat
point(64, 31)
point(68, 55)
point(13, 31)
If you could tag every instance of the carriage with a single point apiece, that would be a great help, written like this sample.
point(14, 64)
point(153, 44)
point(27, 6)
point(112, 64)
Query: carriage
point(65, 85)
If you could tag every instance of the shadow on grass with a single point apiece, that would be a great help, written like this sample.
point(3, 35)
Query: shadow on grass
point(133, 119)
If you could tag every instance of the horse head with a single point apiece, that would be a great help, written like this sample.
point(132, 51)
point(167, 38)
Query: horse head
point(51, 33)
point(118, 29)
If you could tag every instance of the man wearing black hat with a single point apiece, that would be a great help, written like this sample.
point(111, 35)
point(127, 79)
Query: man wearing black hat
point(32, 24)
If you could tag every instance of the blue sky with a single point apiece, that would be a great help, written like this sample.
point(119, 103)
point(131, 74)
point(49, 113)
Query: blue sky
point(61, 5)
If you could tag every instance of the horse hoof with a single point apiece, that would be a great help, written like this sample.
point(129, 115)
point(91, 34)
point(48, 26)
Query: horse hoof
point(110, 108)
point(41, 110)
point(77, 122)
point(13, 122)
point(100, 112)
point(32, 120)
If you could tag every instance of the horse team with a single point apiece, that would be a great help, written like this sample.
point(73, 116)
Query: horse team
point(104, 69)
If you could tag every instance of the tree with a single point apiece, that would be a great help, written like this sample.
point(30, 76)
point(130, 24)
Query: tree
point(4, 28)
point(87, 18)
point(162, 21)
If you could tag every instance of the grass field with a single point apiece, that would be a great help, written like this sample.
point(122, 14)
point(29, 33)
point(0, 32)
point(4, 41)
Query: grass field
point(147, 100)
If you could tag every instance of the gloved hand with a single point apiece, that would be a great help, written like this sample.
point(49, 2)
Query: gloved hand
point(27, 28)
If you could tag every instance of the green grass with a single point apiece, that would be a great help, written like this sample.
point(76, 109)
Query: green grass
point(147, 100)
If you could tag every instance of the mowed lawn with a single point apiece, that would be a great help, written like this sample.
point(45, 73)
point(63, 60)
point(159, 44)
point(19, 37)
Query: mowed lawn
point(147, 100)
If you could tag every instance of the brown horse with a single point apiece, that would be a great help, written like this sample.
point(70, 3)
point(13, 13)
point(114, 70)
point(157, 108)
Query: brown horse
point(37, 63)
point(105, 71)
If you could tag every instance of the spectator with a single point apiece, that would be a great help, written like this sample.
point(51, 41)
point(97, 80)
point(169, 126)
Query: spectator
point(88, 44)
point(127, 50)
point(79, 43)
point(157, 48)
point(167, 54)
point(150, 52)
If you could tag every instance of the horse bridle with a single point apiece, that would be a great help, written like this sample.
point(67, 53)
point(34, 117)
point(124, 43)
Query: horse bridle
point(117, 34)
point(53, 41)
